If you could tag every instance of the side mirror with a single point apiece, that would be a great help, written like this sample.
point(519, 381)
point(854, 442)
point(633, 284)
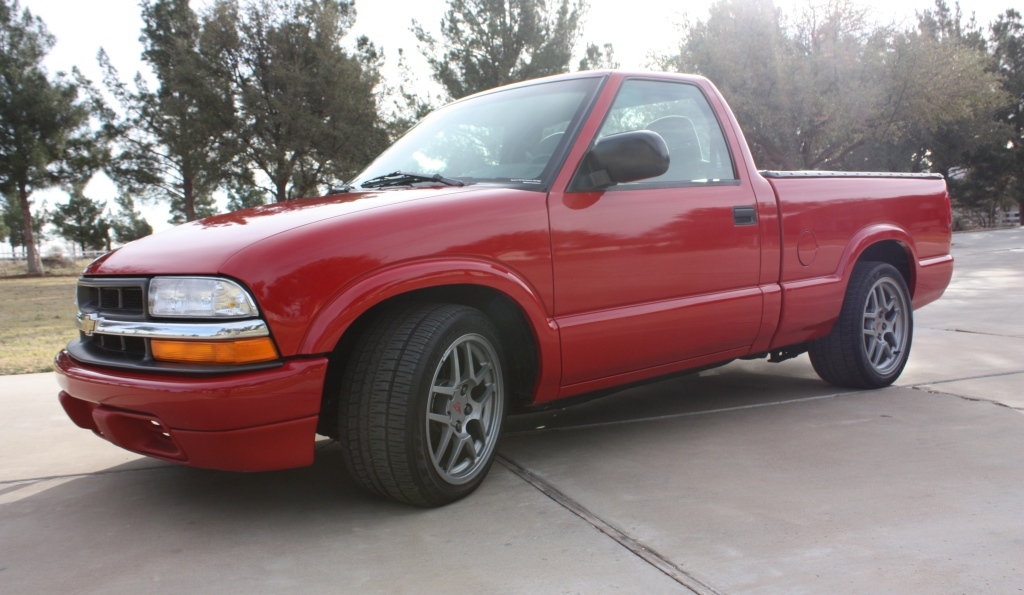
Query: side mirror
point(620, 158)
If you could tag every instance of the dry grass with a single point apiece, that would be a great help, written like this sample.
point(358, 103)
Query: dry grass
point(51, 267)
point(37, 319)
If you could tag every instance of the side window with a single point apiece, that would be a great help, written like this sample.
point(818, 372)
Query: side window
point(680, 113)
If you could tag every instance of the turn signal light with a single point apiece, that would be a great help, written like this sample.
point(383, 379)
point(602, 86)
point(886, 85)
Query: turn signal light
point(241, 351)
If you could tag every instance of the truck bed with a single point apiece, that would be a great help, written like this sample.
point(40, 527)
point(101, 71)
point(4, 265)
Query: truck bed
point(826, 217)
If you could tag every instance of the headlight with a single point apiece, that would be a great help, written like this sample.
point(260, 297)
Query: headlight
point(199, 297)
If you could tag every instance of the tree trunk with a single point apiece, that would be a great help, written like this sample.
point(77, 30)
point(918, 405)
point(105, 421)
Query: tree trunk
point(190, 200)
point(1020, 212)
point(281, 191)
point(35, 263)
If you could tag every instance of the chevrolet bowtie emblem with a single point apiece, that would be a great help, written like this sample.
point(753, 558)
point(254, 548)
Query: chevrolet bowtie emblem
point(87, 323)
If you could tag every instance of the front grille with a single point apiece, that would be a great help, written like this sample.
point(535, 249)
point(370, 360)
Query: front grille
point(110, 299)
point(115, 300)
point(131, 299)
point(126, 345)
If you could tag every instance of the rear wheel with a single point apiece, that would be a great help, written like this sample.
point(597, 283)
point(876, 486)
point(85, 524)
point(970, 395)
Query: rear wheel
point(869, 345)
point(423, 404)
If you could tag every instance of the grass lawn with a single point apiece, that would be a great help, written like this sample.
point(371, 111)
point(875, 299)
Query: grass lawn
point(10, 267)
point(37, 319)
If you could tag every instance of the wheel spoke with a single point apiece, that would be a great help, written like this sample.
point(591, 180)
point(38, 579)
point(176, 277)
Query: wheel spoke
point(443, 444)
point(444, 419)
point(884, 353)
point(891, 302)
point(456, 370)
point(871, 346)
point(869, 322)
point(480, 376)
point(460, 441)
point(443, 390)
point(880, 303)
point(471, 448)
point(486, 396)
point(469, 360)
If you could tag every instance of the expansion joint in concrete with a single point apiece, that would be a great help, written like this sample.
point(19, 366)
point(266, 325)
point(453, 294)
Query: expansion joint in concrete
point(960, 330)
point(645, 553)
point(962, 378)
point(972, 399)
point(28, 480)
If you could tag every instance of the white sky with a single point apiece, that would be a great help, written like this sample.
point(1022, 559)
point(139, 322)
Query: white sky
point(634, 27)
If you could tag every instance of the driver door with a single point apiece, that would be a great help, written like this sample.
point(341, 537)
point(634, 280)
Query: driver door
point(653, 273)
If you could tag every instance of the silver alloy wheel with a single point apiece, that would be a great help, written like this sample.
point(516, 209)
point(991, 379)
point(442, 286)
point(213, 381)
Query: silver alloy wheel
point(464, 409)
point(886, 326)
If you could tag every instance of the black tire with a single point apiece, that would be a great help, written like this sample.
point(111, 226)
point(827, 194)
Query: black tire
point(395, 379)
point(870, 343)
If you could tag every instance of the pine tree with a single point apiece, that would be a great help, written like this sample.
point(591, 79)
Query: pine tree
point(13, 221)
point(489, 43)
point(45, 137)
point(599, 58)
point(175, 141)
point(307, 109)
point(80, 221)
point(1007, 43)
point(128, 224)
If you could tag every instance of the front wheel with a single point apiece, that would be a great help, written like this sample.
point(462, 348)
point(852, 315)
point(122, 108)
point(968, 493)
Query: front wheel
point(423, 404)
point(869, 345)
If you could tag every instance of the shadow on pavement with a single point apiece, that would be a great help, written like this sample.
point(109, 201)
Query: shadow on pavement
point(738, 384)
point(310, 529)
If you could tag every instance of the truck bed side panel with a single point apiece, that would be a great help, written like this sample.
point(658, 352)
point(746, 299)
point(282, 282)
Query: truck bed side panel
point(828, 222)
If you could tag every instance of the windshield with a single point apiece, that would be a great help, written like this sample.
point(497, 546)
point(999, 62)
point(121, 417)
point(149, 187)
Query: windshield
point(509, 137)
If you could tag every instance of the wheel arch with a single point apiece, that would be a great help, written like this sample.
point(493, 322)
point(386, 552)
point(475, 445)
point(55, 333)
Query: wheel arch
point(882, 243)
point(530, 338)
point(895, 253)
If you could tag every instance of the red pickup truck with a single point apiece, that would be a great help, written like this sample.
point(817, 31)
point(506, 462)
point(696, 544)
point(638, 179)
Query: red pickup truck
point(528, 244)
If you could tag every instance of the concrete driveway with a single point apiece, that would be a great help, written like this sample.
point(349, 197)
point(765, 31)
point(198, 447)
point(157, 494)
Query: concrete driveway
point(753, 477)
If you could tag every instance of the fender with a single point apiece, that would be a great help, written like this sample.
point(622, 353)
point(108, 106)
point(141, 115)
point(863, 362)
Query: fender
point(358, 296)
point(810, 307)
point(865, 238)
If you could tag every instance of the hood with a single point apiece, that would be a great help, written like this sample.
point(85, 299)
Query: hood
point(202, 247)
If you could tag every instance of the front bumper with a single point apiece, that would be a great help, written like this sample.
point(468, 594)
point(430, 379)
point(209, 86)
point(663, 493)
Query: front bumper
point(252, 421)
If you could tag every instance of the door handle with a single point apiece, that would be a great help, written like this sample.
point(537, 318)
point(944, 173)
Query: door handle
point(744, 215)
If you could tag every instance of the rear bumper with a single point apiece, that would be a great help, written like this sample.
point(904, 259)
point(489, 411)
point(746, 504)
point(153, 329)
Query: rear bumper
point(252, 421)
point(933, 275)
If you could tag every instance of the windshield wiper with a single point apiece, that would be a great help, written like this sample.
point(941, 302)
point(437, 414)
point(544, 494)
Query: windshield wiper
point(403, 178)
